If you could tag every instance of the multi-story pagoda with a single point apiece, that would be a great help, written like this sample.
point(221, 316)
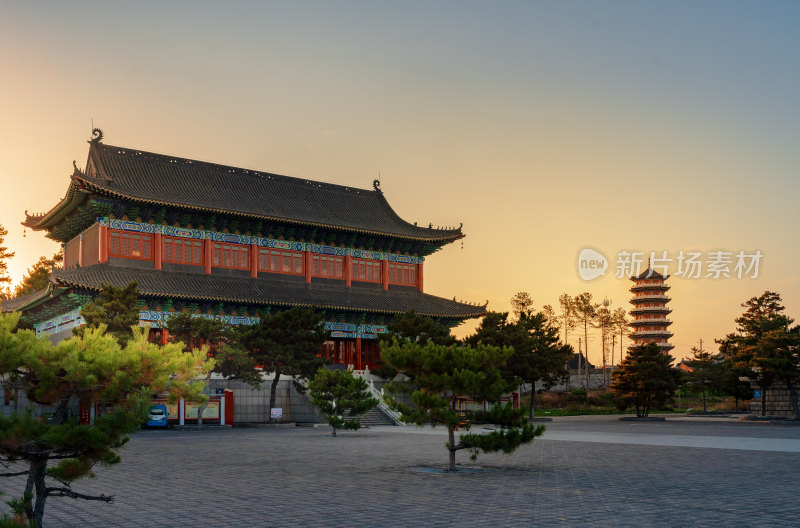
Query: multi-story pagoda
point(235, 244)
point(650, 310)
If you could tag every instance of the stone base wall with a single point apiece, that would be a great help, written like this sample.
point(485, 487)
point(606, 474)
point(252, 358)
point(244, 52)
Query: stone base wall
point(779, 402)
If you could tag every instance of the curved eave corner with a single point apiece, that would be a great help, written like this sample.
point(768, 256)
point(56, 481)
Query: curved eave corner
point(76, 194)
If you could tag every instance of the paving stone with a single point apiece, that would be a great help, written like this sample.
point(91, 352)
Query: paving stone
point(591, 473)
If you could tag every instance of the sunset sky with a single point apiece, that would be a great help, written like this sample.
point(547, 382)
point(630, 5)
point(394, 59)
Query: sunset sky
point(545, 127)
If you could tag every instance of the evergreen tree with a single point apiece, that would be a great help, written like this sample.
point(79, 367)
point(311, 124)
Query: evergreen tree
point(746, 346)
point(38, 276)
point(538, 354)
point(287, 343)
point(342, 397)
point(730, 382)
point(91, 367)
point(413, 327)
point(115, 308)
point(440, 378)
point(5, 254)
point(778, 351)
point(645, 379)
point(705, 372)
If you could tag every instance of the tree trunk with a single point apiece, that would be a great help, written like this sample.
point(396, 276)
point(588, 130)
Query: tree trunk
point(204, 405)
point(763, 401)
point(793, 396)
point(334, 430)
point(533, 396)
point(586, 350)
point(704, 399)
point(452, 447)
point(36, 486)
point(272, 394)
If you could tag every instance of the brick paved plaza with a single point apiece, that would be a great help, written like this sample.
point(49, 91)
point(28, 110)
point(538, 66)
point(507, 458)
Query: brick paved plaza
point(590, 472)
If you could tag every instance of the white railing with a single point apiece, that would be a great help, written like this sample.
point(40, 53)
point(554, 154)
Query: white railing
point(387, 411)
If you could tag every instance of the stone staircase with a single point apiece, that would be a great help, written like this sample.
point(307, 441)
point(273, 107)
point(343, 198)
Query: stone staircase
point(375, 417)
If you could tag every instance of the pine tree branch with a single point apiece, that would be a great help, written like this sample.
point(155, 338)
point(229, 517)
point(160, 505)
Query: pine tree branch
point(66, 492)
point(17, 474)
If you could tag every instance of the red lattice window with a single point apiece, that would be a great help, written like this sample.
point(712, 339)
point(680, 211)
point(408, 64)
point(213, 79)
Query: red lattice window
point(183, 250)
point(327, 266)
point(281, 261)
point(366, 270)
point(230, 256)
point(131, 245)
point(405, 274)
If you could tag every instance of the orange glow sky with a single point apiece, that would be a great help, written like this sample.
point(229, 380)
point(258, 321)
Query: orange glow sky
point(545, 127)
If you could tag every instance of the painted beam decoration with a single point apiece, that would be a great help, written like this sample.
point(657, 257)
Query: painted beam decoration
point(234, 238)
point(59, 323)
point(158, 319)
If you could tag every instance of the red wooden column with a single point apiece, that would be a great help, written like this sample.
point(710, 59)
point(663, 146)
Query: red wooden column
point(385, 274)
point(164, 336)
point(103, 244)
point(309, 263)
point(80, 251)
point(419, 276)
point(254, 260)
point(348, 270)
point(357, 361)
point(207, 251)
point(158, 251)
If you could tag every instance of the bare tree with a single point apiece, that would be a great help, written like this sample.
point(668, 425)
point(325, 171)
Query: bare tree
point(604, 320)
point(585, 312)
point(621, 325)
point(567, 318)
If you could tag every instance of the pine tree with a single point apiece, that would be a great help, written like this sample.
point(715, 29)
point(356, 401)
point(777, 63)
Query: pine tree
point(538, 354)
point(115, 308)
point(38, 276)
point(645, 380)
point(342, 397)
point(747, 347)
point(439, 377)
point(91, 367)
point(5, 280)
point(704, 371)
point(413, 327)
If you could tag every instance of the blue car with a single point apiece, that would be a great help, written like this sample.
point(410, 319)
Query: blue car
point(157, 416)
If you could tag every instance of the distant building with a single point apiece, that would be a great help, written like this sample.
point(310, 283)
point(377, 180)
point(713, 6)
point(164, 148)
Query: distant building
point(650, 323)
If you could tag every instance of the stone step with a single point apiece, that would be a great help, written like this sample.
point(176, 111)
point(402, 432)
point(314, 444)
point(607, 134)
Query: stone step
point(374, 417)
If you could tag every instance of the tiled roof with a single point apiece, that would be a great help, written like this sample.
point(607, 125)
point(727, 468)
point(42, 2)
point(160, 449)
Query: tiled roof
point(650, 274)
point(9, 305)
point(171, 181)
point(264, 291)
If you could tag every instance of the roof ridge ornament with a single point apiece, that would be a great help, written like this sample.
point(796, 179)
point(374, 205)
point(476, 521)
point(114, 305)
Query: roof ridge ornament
point(97, 136)
point(376, 184)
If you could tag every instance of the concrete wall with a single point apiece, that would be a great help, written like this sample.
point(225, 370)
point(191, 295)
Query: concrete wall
point(252, 406)
point(578, 380)
point(8, 405)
